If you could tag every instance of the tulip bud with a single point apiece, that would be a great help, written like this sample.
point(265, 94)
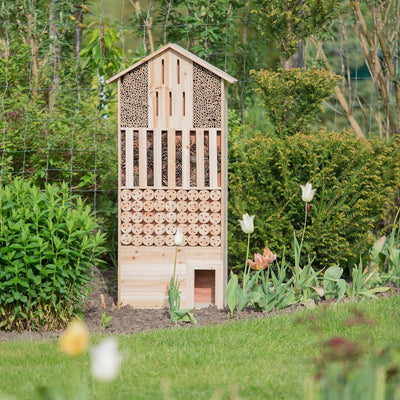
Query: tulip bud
point(179, 237)
point(307, 192)
point(247, 224)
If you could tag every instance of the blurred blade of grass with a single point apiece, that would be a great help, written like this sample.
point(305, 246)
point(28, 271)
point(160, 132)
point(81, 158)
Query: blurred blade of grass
point(254, 359)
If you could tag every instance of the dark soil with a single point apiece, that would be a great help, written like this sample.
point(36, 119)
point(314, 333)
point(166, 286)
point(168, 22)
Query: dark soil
point(126, 319)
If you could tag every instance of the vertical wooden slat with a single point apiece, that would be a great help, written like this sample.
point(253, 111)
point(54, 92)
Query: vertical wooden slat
point(200, 157)
point(213, 160)
point(186, 158)
point(129, 157)
point(171, 158)
point(157, 159)
point(142, 158)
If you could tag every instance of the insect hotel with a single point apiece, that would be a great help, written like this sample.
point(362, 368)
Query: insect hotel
point(172, 134)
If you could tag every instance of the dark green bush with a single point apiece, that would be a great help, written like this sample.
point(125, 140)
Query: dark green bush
point(48, 242)
point(356, 181)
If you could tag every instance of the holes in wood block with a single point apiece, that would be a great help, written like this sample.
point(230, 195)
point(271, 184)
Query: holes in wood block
point(183, 104)
point(170, 103)
point(178, 72)
point(162, 71)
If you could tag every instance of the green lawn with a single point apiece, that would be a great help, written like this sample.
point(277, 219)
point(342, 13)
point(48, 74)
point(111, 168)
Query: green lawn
point(255, 359)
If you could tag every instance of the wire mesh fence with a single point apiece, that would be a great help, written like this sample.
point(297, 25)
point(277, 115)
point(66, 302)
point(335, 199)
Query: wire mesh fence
point(59, 118)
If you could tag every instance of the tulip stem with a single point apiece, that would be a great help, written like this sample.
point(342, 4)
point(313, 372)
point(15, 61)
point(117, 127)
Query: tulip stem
point(176, 256)
point(304, 230)
point(245, 263)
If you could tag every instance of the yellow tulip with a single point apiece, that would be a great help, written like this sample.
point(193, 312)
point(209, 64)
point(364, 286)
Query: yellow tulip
point(75, 340)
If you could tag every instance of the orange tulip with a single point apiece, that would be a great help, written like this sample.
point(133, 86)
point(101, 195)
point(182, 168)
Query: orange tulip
point(75, 340)
point(262, 261)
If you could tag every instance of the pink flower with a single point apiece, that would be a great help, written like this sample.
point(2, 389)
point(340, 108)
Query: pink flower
point(262, 261)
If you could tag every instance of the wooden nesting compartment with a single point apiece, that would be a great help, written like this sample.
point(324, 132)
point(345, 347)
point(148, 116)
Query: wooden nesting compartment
point(172, 173)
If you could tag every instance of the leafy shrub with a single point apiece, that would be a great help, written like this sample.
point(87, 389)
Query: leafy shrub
point(292, 98)
point(356, 180)
point(47, 245)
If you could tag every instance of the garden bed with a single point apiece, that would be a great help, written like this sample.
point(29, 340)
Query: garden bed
point(127, 320)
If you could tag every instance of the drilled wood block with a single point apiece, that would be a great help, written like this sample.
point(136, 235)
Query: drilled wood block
point(126, 227)
point(193, 229)
point(184, 228)
point(148, 217)
point(170, 240)
point(170, 194)
point(215, 195)
point(204, 217)
point(126, 238)
point(215, 206)
point(159, 229)
point(215, 230)
point(126, 205)
point(204, 241)
point(204, 229)
point(126, 194)
point(148, 194)
point(159, 241)
point(159, 205)
point(204, 195)
point(193, 240)
point(137, 217)
point(170, 217)
point(126, 216)
point(170, 229)
point(193, 218)
point(193, 206)
point(182, 206)
point(137, 229)
point(181, 194)
point(215, 241)
point(137, 205)
point(148, 229)
point(193, 195)
point(137, 194)
point(170, 205)
point(159, 218)
point(148, 240)
point(137, 240)
point(204, 206)
point(159, 194)
point(215, 218)
point(148, 205)
point(181, 217)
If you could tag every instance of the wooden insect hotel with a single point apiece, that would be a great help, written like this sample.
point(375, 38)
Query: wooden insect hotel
point(172, 134)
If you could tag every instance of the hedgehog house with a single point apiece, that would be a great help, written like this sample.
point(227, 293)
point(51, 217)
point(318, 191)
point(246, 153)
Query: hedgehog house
point(172, 135)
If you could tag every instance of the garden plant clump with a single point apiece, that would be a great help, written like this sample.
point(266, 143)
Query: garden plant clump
point(49, 241)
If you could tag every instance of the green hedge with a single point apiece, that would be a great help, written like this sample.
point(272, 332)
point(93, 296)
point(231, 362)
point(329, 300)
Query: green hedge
point(48, 242)
point(356, 182)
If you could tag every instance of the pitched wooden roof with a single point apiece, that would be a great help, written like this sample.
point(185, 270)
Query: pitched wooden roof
point(184, 53)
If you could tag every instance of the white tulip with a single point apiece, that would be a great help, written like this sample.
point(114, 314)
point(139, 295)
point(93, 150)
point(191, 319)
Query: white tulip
point(106, 360)
point(247, 224)
point(179, 237)
point(307, 192)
